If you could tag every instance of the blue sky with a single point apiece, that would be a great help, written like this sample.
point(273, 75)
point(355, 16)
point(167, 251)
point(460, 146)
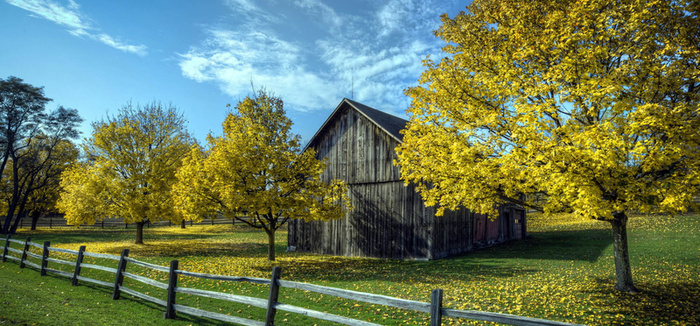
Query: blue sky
point(95, 56)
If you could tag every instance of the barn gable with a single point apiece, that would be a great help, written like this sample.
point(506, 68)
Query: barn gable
point(390, 219)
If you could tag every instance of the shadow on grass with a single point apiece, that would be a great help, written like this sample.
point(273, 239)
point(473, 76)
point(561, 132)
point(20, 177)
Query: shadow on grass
point(484, 264)
point(581, 245)
point(660, 303)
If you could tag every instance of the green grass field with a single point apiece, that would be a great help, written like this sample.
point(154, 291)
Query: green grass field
point(564, 272)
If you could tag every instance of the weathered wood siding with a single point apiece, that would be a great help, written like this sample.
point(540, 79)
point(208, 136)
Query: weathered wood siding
point(452, 233)
point(381, 225)
point(389, 219)
point(358, 151)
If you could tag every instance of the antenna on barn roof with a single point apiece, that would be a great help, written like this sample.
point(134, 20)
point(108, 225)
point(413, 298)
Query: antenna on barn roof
point(352, 87)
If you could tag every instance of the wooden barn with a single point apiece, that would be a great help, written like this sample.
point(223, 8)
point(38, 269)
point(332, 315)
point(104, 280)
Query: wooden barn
point(390, 219)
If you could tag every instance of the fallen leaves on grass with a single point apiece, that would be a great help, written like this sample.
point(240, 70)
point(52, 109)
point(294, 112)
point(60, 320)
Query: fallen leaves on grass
point(507, 279)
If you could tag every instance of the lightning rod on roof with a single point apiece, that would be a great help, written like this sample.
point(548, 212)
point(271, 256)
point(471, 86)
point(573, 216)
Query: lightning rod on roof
point(352, 88)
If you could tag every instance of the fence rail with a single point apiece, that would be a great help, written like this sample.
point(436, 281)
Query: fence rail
point(271, 304)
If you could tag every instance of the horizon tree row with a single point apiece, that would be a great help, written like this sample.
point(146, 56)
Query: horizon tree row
point(142, 165)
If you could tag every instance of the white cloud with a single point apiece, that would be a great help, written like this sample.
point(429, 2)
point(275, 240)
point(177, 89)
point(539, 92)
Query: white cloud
point(235, 59)
point(319, 9)
point(374, 57)
point(249, 11)
point(409, 16)
point(106, 39)
point(69, 16)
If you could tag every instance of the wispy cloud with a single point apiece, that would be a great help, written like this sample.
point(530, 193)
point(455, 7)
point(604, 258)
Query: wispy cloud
point(70, 17)
point(373, 54)
point(317, 8)
point(235, 59)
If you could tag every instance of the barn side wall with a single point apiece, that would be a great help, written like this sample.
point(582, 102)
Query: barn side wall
point(380, 226)
point(389, 219)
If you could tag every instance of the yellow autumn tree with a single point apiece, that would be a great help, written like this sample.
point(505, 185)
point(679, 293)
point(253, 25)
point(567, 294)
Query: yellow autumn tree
point(256, 173)
point(590, 106)
point(129, 170)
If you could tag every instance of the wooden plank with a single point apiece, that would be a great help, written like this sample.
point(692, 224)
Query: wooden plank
point(147, 265)
point(323, 315)
point(5, 247)
point(44, 256)
point(17, 241)
point(225, 278)
point(272, 298)
point(255, 302)
point(29, 263)
point(94, 281)
point(119, 276)
point(172, 284)
point(60, 261)
point(502, 318)
point(96, 255)
point(78, 268)
point(23, 259)
point(36, 245)
point(100, 267)
point(142, 296)
point(65, 251)
point(436, 308)
point(62, 273)
point(31, 254)
point(213, 315)
point(360, 296)
point(146, 280)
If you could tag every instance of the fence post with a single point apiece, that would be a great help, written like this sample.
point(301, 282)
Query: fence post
point(274, 294)
point(436, 308)
point(172, 283)
point(76, 273)
point(24, 252)
point(120, 276)
point(4, 251)
point(44, 256)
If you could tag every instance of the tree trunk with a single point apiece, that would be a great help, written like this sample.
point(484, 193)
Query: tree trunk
point(623, 270)
point(271, 244)
point(22, 214)
point(9, 217)
point(35, 220)
point(139, 232)
point(182, 225)
point(15, 224)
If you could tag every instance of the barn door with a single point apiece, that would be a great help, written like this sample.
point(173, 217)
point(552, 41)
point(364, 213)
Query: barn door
point(479, 228)
point(507, 224)
point(519, 224)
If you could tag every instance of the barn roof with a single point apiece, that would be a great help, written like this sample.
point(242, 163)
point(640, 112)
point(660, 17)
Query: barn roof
point(389, 123)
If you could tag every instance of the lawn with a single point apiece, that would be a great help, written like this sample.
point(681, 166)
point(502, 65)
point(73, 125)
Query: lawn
point(564, 272)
